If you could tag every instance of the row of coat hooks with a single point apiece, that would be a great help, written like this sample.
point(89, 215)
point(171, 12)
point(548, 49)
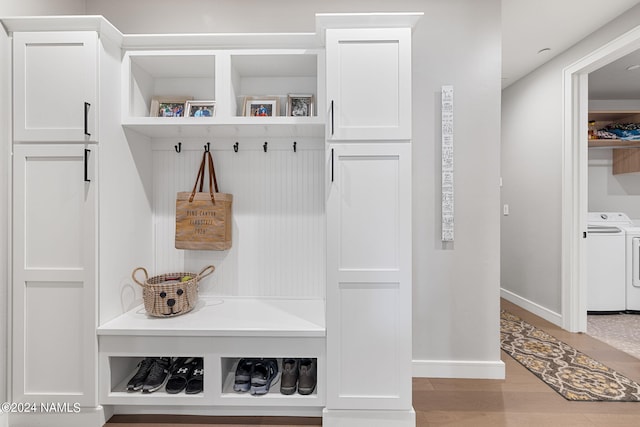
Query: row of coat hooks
point(236, 147)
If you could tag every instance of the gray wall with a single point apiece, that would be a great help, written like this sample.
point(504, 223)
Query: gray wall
point(456, 287)
point(5, 108)
point(609, 192)
point(531, 171)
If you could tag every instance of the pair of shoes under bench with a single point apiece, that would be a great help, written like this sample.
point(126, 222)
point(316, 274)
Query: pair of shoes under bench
point(151, 375)
point(256, 375)
point(187, 374)
point(300, 374)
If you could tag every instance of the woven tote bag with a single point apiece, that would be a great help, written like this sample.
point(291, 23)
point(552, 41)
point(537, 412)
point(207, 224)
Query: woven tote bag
point(203, 220)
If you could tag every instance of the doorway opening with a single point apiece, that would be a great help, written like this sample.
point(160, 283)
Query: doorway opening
point(575, 175)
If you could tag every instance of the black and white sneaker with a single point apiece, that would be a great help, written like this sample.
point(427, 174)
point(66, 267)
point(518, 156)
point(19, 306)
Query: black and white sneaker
point(137, 381)
point(158, 374)
point(242, 381)
point(263, 376)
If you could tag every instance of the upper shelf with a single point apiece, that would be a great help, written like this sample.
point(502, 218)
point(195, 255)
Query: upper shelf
point(613, 143)
point(165, 127)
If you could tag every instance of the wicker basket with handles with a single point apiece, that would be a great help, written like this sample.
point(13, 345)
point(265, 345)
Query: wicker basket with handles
point(167, 295)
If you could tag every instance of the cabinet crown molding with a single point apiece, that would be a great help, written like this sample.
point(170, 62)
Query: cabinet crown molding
point(63, 23)
point(101, 25)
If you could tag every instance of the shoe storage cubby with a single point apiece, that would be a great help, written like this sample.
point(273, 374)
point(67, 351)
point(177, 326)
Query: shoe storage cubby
point(221, 331)
point(123, 368)
point(230, 396)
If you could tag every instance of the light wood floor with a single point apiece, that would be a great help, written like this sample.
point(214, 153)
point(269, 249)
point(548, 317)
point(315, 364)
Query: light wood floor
point(520, 400)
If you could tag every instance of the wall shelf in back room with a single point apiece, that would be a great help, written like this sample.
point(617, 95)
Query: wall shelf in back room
point(626, 157)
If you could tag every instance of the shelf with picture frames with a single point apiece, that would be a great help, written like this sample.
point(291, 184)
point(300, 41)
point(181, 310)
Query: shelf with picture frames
point(244, 92)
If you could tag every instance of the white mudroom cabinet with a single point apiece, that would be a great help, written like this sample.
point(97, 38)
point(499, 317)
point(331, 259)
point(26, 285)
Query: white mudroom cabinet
point(369, 83)
point(369, 220)
point(320, 265)
point(54, 273)
point(56, 86)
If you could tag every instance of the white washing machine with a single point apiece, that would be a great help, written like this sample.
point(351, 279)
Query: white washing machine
point(606, 261)
point(633, 266)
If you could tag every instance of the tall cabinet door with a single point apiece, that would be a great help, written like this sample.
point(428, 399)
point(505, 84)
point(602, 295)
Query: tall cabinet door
point(369, 83)
point(369, 276)
point(54, 274)
point(55, 86)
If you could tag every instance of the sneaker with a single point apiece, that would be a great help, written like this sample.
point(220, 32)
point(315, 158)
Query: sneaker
point(307, 376)
point(263, 375)
point(242, 381)
point(289, 381)
point(157, 375)
point(137, 381)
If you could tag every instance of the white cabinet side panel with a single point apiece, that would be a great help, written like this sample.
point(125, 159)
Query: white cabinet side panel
point(369, 227)
point(53, 335)
point(53, 238)
point(370, 326)
point(375, 65)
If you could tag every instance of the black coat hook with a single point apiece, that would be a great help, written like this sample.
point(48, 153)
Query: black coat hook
point(264, 146)
point(178, 147)
point(236, 146)
point(295, 149)
point(207, 147)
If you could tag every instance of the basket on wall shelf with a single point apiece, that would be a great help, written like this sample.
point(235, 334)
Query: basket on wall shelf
point(170, 294)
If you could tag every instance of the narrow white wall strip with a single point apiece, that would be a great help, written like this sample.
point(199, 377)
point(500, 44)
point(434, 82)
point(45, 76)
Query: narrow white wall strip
point(447, 163)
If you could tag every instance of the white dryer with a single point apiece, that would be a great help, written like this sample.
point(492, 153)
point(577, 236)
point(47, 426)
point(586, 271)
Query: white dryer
point(606, 261)
point(633, 267)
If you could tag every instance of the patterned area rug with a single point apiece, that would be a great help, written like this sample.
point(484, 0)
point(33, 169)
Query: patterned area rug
point(574, 375)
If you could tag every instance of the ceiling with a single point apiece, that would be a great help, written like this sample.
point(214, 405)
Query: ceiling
point(615, 81)
point(528, 26)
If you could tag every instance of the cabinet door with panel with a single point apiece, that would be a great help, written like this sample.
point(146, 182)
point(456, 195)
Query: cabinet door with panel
point(55, 82)
point(369, 276)
point(369, 83)
point(54, 274)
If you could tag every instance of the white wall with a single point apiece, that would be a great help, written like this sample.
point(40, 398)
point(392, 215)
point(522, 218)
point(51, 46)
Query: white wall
point(42, 7)
point(456, 286)
point(531, 171)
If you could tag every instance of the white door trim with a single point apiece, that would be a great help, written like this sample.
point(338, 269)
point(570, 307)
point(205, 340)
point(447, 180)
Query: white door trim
point(574, 174)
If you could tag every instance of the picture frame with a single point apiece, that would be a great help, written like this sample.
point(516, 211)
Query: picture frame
point(261, 106)
point(197, 108)
point(300, 105)
point(168, 106)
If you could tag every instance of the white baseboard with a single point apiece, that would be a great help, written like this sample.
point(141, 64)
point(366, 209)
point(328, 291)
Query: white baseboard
point(472, 369)
point(532, 307)
point(87, 417)
point(360, 418)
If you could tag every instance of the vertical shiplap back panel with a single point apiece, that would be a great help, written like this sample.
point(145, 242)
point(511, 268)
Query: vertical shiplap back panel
point(278, 216)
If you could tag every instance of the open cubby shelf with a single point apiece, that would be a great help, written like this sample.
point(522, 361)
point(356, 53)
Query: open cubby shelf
point(226, 77)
